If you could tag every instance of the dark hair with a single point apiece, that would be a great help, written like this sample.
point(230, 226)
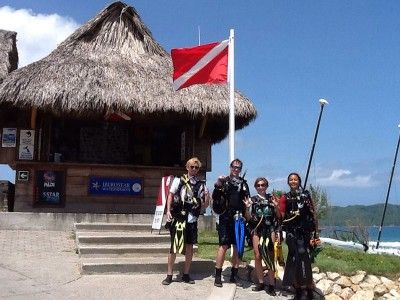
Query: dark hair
point(261, 179)
point(237, 160)
point(296, 174)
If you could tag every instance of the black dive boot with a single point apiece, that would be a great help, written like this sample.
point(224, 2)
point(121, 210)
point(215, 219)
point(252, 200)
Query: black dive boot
point(167, 280)
point(218, 281)
point(271, 290)
point(310, 294)
point(186, 278)
point(258, 287)
point(234, 279)
point(298, 294)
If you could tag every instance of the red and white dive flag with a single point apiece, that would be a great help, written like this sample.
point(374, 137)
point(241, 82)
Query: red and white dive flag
point(164, 190)
point(161, 202)
point(200, 65)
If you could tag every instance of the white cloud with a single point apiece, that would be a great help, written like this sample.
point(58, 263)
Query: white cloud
point(344, 178)
point(37, 34)
point(6, 173)
point(278, 180)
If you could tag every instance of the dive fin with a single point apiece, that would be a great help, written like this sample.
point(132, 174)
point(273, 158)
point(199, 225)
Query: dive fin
point(239, 235)
point(263, 247)
point(279, 261)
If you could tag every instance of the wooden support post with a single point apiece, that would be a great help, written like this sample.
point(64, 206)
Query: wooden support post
point(202, 127)
point(33, 117)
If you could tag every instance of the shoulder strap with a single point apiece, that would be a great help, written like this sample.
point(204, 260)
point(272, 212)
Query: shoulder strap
point(185, 181)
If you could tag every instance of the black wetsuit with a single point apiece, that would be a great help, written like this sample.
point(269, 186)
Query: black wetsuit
point(263, 222)
point(299, 223)
point(233, 192)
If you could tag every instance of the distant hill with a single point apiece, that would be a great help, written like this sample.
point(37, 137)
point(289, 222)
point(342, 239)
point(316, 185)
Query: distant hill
point(361, 214)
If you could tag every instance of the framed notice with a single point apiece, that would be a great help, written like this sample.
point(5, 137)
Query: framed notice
point(26, 144)
point(49, 187)
point(9, 138)
point(115, 186)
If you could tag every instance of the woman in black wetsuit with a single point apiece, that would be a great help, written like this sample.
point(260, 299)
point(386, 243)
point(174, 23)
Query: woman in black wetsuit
point(262, 215)
point(299, 223)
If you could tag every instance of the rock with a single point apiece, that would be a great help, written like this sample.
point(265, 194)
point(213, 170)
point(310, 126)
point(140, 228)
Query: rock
point(343, 281)
point(359, 272)
point(387, 297)
point(366, 286)
point(372, 279)
point(395, 293)
point(252, 263)
point(332, 275)
point(390, 284)
point(336, 289)
point(315, 270)
point(325, 285)
point(332, 297)
point(379, 290)
point(355, 287)
point(318, 276)
point(347, 293)
point(363, 295)
point(356, 279)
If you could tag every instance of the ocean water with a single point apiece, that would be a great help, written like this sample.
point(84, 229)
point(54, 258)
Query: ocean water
point(389, 233)
point(389, 242)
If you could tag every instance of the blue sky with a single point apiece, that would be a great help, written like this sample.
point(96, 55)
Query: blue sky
point(288, 54)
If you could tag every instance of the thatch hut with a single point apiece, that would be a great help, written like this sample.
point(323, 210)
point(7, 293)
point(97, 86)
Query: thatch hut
point(8, 53)
point(108, 67)
point(8, 63)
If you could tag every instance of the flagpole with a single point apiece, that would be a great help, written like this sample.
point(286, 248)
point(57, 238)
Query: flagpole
point(388, 191)
point(198, 29)
point(231, 81)
point(322, 102)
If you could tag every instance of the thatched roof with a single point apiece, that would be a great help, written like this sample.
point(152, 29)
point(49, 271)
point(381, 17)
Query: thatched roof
point(113, 62)
point(8, 53)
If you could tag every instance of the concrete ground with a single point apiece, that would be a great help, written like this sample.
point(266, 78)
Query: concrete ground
point(42, 264)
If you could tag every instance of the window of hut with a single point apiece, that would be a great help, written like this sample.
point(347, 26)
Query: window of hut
point(114, 143)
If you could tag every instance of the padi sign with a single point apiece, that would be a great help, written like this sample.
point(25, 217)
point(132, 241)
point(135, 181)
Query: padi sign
point(115, 186)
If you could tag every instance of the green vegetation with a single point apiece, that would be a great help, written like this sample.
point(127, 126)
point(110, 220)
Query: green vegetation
point(332, 259)
point(347, 262)
point(321, 202)
point(208, 245)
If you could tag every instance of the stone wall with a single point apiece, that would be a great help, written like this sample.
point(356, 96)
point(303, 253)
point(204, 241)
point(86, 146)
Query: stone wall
point(360, 286)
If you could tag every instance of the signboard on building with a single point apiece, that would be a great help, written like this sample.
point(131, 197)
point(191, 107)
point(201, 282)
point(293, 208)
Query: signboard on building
point(22, 175)
point(161, 202)
point(115, 186)
point(49, 187)
point(9, 138)
point(26, 144)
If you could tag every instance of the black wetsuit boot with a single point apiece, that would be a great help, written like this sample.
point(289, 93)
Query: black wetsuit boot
point(298, 294)
point(218, 281)
point(310, 294)
point(258, 287)
point(234, 279)
point(167, 280)
point(271, 290)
